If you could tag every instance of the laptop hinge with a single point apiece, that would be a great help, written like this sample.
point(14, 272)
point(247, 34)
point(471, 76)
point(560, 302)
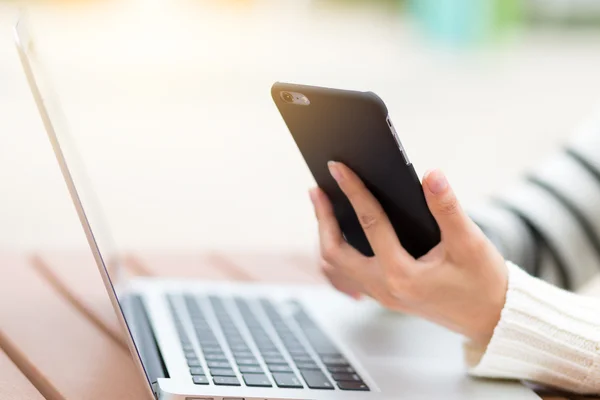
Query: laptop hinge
point(145, 341)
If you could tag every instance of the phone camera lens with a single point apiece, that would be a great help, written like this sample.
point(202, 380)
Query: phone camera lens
point(287, 97)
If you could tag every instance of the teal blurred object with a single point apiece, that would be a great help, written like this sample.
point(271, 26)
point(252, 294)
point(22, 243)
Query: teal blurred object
point(466, 22)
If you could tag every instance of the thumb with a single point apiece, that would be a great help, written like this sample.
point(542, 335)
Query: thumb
point(454, 224)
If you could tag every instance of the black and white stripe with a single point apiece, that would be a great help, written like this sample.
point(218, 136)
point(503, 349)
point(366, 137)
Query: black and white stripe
point(549, 223)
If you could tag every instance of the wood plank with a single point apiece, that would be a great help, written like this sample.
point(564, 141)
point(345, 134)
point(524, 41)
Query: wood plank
point(63, 347)
point(295, 268)
point(75, 276)
point(286, 268)
point(13, 384)
point(185, 265)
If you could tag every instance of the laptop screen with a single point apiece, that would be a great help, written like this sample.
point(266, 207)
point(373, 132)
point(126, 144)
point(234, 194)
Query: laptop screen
point(90, 215)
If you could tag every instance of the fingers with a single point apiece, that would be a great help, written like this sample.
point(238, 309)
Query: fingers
point(455, 225)
point(334, 249)
point(340, 281)
point(374, 221)
point(329, 229)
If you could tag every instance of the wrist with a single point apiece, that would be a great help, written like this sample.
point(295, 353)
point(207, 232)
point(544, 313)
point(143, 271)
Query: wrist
point(488, 312)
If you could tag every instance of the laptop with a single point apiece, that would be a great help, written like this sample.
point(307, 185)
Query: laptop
point(195, 340)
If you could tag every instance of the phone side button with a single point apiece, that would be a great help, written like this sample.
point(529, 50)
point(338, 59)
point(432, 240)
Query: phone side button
point(406, 160)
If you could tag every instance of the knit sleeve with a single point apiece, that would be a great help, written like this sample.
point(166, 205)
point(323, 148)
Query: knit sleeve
point(545, 335)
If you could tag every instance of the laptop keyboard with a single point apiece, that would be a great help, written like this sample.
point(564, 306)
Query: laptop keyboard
point(290, 358)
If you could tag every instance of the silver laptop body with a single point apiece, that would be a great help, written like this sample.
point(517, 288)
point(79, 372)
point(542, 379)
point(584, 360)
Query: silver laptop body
point(204, 340)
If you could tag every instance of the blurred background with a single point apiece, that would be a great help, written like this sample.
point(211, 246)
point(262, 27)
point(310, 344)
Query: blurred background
point(169, 104)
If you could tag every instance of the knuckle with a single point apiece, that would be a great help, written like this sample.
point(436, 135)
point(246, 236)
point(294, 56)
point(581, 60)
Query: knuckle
point(389, 301)
point(405, 288)
point(395, 286)
point(449, 205)
point(369, 220)
point(326, 268)
point(397, 267)
point(330, 251)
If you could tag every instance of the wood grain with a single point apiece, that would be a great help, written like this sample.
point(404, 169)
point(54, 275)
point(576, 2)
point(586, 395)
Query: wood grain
point(13, 384)
point(287, 268)
point(185, 265)
point(61, 345)
point(75, 277)
point(234, 266)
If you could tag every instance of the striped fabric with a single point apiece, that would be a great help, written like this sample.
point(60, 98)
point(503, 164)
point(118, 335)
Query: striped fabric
point(549, 223)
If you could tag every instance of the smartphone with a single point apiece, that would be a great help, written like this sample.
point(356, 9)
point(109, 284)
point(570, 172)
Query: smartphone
point(354, 128)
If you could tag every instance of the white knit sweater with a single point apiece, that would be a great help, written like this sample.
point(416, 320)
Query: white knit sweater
point(545, 335)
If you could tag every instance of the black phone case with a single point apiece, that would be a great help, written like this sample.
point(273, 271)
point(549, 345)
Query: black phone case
point(352, 127)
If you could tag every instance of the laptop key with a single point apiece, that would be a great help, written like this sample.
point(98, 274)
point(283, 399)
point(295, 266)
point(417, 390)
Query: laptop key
point(346, 377)
point(287, 380)
point(263, 344)
point(243, 354)
point(297, 351)
point(234, 340)
point(207, 340)
point(335, 361)
point(239, 347)
point(326, 350)
point(280, 368)
point(226, 381)
point(335, 370)
point(200, 380)
point(308, 365)
point(291, 343)
point(202, 328)
point(246, 361)
point(264, 349)
point(349, 385)
point(250, 369)
point(196, 371)
point(305, 358)
point(257, 380)
point(216, 357)
point(275, 360)
point(222, 372)
point(271, 353)
point(255, 329)
point(316, 380)
point(194, 363)
point(208, 343)
point(218, 364)
point(212, 350)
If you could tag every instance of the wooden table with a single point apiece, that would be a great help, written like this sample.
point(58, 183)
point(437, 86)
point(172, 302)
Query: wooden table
point(59, 337)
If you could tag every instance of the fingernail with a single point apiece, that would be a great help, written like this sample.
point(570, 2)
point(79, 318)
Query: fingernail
point(356, 296)
point(313, 196)
point(334, 170)
point(436, 181)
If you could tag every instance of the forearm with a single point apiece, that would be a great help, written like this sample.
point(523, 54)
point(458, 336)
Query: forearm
point(545, 335)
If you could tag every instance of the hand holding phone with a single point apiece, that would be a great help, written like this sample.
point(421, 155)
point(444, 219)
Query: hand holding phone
point(461, 283)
